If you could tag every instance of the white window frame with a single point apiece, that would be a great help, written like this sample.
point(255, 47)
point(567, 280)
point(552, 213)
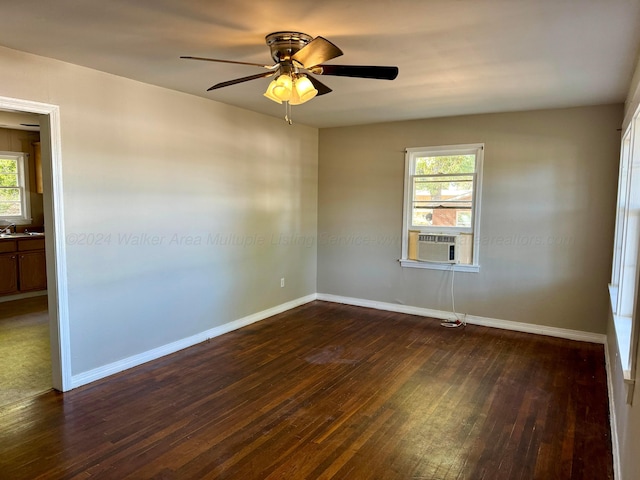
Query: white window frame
point(411, 154)
point(23, 185)
point(626, 252)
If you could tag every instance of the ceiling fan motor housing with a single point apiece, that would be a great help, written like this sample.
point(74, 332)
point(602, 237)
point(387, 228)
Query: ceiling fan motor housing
point(284, 45)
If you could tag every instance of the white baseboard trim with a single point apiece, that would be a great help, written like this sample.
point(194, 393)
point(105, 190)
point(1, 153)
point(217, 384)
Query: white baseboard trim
point(470, 319)
point(21, 296)
point(615, 444)
point(135, 360)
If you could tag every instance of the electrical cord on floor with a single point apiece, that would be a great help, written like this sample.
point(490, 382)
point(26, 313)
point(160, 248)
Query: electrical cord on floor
point(455, 322)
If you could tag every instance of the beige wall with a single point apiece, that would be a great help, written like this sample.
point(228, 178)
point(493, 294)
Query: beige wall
point(12, 140)
point(548, 205)
point(154, 182)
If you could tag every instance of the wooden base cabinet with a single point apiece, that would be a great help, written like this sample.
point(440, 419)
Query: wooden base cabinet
point(9, 275)
point(33, 271)
point(22, 266)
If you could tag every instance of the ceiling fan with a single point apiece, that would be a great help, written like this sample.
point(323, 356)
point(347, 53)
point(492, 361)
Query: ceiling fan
point(296, 56)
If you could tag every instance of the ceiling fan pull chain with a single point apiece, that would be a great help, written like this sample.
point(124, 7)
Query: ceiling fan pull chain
point(287, 113)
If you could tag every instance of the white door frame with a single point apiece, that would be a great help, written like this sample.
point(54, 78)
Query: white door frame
point(50, 141)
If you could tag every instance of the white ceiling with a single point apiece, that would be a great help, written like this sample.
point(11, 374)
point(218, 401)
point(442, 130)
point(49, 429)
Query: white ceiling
point(455, 56)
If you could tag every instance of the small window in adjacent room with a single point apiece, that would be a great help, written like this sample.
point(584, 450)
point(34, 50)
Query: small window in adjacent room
point(14, 191)
point(442, 207)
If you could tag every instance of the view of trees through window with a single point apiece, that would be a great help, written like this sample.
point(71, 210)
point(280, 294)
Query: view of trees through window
point(443, 191)
point(10, 203)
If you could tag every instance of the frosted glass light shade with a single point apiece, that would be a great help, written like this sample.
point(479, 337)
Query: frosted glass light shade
point(283, 87)
point(303, 91)
point(269, 93)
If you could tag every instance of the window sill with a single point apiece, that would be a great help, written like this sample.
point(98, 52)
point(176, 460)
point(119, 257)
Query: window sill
point(439, 266)
point(623, 337)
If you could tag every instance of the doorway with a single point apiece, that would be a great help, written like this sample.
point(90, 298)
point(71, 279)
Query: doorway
point(25, 358)
point(55, 250)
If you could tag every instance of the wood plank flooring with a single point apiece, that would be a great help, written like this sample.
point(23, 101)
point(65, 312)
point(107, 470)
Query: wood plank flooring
point(328, 391)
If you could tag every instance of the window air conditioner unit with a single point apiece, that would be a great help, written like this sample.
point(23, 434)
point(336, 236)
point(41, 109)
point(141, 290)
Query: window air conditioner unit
point(438, 248)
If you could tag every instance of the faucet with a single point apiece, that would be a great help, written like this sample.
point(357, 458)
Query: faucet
point(7, 229)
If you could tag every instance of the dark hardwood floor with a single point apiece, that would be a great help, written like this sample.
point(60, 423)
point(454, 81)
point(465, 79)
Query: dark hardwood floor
point(328, 391)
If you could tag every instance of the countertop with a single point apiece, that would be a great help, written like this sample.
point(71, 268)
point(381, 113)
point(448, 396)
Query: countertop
point(17, 236)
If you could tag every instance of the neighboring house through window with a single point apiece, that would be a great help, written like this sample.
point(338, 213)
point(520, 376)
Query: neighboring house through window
point(442, 207)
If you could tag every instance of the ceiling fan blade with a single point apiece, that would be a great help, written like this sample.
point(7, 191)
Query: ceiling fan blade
point(319, 86)
point(239, 80)
point(360, 71)
point(226, 61)
point(317, 51)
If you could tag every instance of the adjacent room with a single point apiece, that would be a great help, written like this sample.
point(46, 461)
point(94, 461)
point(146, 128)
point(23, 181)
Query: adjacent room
point(24, 329)
point(363, 240)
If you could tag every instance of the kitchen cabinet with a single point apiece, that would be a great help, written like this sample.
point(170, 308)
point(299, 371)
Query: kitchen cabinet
point(9, 276)
point(32, 271)
point(23, 265)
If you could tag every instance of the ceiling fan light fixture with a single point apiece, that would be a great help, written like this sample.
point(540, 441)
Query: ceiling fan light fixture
point(292, 88)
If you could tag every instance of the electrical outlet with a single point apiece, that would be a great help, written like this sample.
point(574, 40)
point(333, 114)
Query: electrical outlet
point(282, 282)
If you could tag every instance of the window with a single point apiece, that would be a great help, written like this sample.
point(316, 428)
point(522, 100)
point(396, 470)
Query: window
point(624, 274)
point(442, 196)
point(14, 194)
